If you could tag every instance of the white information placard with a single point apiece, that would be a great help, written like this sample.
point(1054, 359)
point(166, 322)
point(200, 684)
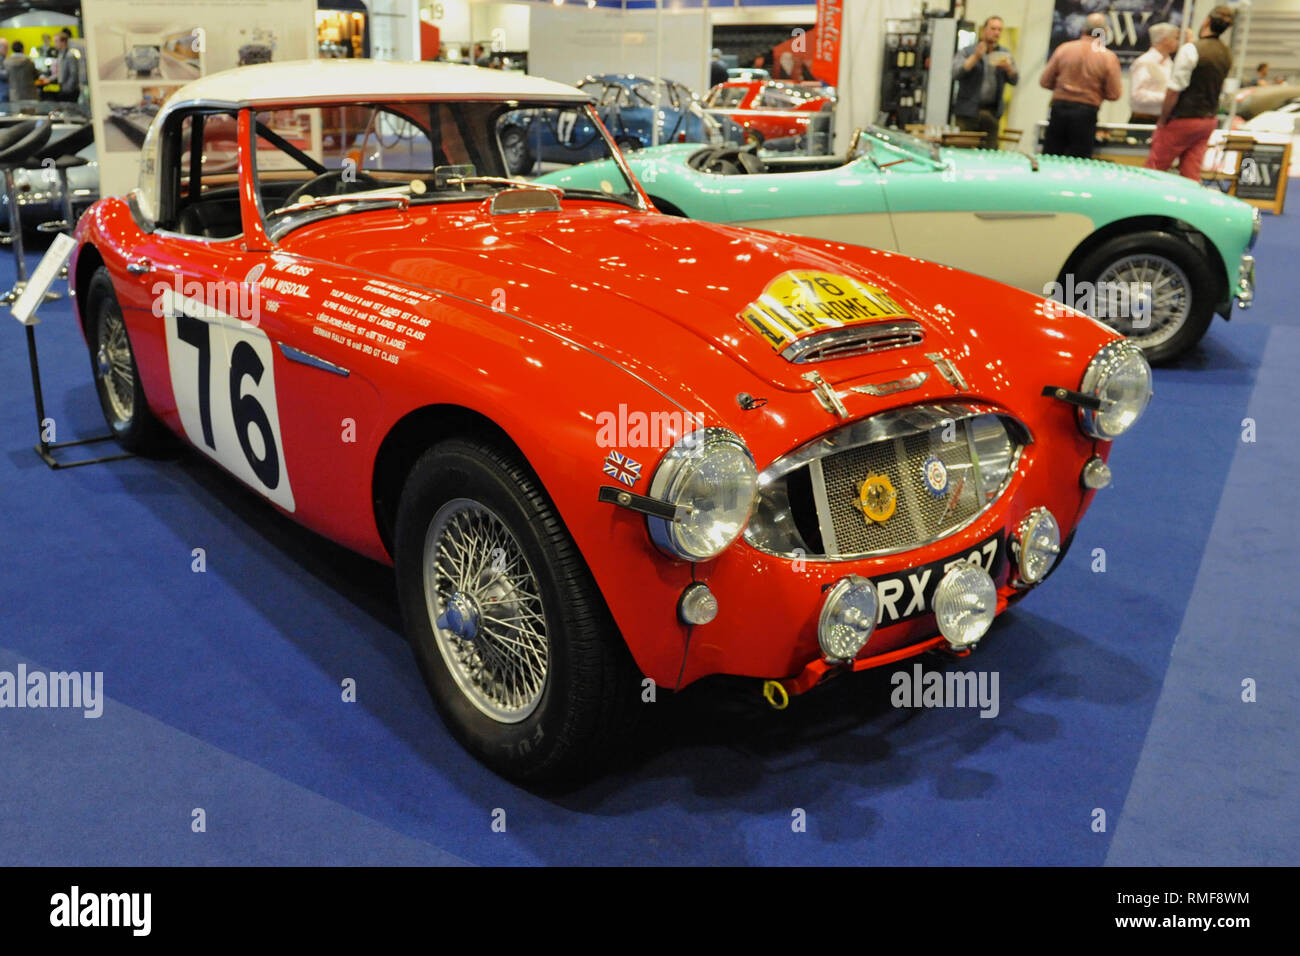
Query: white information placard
point(24, 309)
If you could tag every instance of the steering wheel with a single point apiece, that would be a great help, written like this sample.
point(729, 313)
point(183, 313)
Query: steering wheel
point(732, 160)
point(332, 183)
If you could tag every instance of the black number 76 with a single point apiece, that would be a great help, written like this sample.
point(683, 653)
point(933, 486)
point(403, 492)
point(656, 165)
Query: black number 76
point(246, 410)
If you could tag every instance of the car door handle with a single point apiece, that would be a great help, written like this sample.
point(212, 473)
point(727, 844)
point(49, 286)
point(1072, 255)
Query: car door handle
point(139, 267)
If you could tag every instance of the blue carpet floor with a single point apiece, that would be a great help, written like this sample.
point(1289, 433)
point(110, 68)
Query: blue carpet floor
point(1120, 691)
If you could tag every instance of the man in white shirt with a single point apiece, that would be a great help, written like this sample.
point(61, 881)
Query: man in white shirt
point(1149, 74)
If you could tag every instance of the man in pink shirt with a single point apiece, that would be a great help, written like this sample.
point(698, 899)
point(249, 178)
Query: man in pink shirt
point(1080, 75)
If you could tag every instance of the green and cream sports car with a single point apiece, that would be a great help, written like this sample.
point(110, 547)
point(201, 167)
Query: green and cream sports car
point(1152, 254)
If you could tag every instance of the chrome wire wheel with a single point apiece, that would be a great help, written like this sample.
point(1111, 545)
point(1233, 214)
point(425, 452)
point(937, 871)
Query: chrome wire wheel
point(1158, 284)
point(485, 609)
point(115, 365)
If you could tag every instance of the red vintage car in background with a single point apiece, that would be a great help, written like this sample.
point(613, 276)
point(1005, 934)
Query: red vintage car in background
point(598, 444)
point(765, 108)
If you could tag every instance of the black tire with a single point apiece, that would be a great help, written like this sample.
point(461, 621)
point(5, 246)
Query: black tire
point(589, 692)
point(514, 144)
point(628, 144)
point(753, 138)
point(1161, 341)
point(117, 378)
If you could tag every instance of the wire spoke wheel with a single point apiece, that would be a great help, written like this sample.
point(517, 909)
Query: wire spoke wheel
point(485, 607)
point(115, 365)
point(1145, 296)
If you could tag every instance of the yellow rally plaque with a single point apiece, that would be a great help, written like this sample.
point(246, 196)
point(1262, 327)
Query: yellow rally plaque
point(802, 302)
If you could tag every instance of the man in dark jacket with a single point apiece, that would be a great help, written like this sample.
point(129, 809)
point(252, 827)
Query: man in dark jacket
point(22, 74)
point(982, 72)
point(717, 69)
point(1191, 107)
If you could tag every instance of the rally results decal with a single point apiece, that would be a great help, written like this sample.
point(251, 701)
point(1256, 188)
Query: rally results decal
point(910, 593)
point(803, 302)
point(223, 377)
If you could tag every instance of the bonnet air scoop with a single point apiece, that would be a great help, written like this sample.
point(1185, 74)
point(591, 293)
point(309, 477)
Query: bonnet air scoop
point(811, 316)
point(513, 201)
point(854, 340)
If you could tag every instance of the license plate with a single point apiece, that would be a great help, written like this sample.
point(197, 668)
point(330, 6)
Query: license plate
point(910, 593)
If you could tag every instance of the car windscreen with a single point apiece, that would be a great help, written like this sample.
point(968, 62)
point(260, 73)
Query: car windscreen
point(321, 161)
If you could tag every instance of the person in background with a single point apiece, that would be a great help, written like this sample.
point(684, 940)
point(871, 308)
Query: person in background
point(481, 56)
point(717, 69)
point(67, 70)
point(760, 62)
point(982, 72)
point(1149, 75)
point(1191, 106)
point(20, 74)
point(1260, 78)
point(1080, 74)
point(4, 76)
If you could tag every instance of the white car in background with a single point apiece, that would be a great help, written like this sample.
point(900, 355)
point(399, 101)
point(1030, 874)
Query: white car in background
point(1285, 120)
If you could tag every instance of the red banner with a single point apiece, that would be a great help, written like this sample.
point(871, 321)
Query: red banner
point(826, 41)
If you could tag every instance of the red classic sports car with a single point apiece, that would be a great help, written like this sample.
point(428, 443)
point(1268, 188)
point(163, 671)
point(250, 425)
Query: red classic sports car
point(769, 110)
point(600, 445)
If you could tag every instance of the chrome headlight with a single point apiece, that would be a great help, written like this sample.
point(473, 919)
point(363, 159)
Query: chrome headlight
point(1120, 378)
point(709, 476)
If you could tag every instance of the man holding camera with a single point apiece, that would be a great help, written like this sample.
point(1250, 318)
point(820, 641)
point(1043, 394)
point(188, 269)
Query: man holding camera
point(982, 72)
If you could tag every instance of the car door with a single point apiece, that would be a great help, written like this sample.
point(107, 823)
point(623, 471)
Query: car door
point(202, 282)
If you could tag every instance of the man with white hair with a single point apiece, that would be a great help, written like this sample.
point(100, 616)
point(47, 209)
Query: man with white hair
point(1149, 75)
point(1190, 111)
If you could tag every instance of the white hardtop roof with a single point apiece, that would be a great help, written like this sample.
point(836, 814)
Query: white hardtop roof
point(318, 81)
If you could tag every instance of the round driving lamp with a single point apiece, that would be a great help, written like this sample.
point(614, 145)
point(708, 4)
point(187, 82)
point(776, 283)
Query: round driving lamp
point(964, 605)
point(1039, 538)
point(709, 477)
point(848, 618)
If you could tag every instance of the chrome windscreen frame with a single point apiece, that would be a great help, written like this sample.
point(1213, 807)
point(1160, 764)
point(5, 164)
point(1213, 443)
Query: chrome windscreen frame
point(884, 426)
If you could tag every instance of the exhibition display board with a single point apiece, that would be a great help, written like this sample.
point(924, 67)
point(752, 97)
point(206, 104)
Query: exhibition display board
point(140, 53)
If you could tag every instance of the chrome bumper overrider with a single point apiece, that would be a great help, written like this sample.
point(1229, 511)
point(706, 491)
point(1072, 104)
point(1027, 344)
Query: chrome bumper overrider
point(1246, 282)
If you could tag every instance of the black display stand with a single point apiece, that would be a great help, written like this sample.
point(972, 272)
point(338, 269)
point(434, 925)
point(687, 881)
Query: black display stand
point(46, 449)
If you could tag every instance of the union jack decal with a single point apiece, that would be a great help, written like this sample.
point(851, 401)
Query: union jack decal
point(622, 468)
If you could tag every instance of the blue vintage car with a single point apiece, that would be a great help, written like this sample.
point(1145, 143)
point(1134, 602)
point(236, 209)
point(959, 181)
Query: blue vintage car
point(626, 105)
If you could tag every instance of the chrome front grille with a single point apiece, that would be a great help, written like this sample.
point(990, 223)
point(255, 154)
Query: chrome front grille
point(810, 500)
point(919, 516)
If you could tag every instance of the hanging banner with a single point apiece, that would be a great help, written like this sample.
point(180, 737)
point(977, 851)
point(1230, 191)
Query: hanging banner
point(825, 41)
point(1126, 20)
point(140, 52)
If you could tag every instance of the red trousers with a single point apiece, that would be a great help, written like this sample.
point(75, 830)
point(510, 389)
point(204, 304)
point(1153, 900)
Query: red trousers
point(1184, 140)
